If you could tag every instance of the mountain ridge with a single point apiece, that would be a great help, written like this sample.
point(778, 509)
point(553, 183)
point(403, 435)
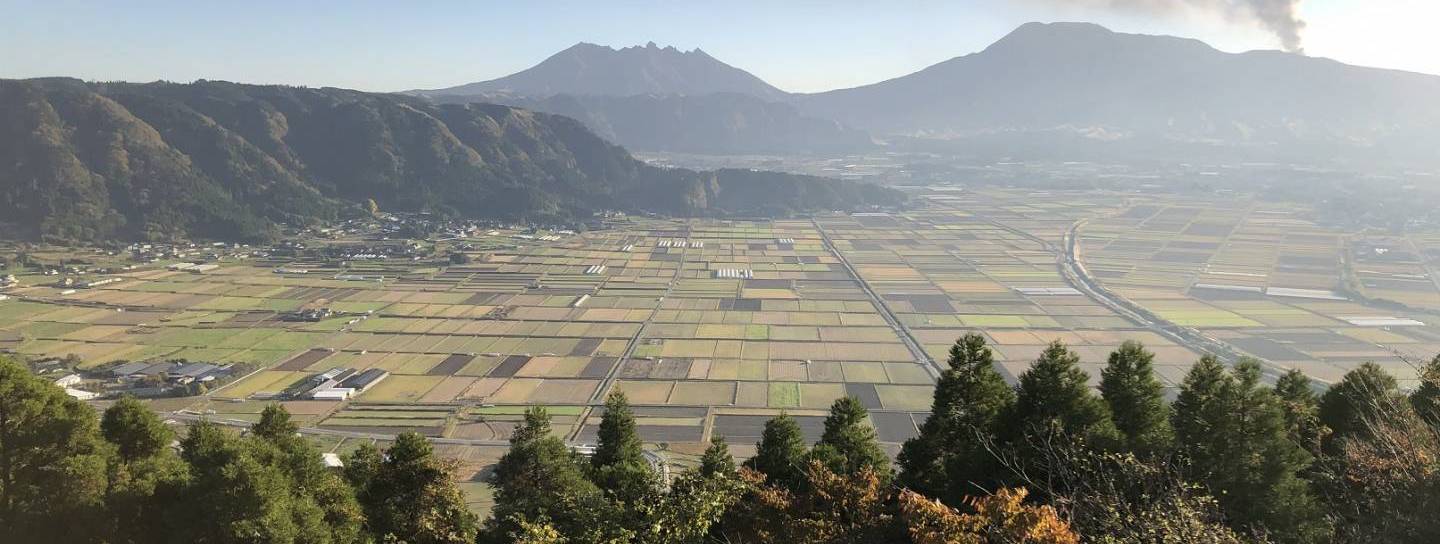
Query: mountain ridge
point(219, 160)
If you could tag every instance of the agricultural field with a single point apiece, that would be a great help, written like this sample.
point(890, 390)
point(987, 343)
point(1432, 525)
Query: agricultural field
point(1265, 278)
point(714, 326)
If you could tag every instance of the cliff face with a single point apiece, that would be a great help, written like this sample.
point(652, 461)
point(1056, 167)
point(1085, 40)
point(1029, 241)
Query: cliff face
point(219, 160)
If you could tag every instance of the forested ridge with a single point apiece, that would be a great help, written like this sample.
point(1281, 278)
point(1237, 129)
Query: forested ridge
point(1050, 460)
point(215, 160)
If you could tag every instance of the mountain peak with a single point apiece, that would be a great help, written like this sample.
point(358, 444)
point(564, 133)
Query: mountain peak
point(591, 69)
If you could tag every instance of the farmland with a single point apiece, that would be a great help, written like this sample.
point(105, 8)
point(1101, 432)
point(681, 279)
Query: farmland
point(713, 326)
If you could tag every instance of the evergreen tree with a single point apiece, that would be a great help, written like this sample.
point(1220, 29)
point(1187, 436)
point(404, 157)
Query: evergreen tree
point(274, 423)
point(1302, 410)
point(1234, 433)
point(302, 463)
point(52, 461)
point(849, 445)
point(1363, 398)
point(1136, 399)
point(947, 459)
point(540, 479)
point(1426, 398)
point(1054, 394)
point(134, 430)
point(780, 454)
point(408, 496)
point(717, 459)
point(145, 476)
point(240, 496)
point(619, 466)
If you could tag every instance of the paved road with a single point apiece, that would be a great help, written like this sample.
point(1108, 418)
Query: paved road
point(917, 350)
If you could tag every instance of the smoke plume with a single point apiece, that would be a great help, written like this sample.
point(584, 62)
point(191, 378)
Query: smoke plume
point(1280, 17)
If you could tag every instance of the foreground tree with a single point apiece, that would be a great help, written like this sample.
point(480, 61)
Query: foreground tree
point(52, 461)
point(1358, 403)
point(408, 496)
point(849, 445)
point(827, 508)
point(145, 476)
point(539, 481)
point(1426, 398)
point(1234, 434)
point(619, 466)
point(780, 455)
point(1136, 399)
point(1001, 518)
point(717, 459)
point(310, 479)
point(1302, 410)
point(948, 459)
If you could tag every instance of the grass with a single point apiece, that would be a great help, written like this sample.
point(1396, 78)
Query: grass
point(784, 395)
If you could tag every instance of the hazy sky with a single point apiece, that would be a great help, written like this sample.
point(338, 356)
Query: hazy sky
point(796, 45)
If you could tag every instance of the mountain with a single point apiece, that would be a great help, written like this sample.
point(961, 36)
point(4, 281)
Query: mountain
point(1081, 83)
point(589, 69)
point(216, 160)
point(720, 123)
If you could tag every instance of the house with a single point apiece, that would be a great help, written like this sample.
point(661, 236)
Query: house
point(128, 369)
point(331, 460)
point(68, 380)
point(80, 394)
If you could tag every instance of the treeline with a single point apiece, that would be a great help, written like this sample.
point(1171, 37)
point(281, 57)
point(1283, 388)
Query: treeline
point(1050, 460)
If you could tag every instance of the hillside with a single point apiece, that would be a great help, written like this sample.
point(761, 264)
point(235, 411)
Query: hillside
point(589, 69)
point(1085, 83)
point(720, 123)
point(87, 161)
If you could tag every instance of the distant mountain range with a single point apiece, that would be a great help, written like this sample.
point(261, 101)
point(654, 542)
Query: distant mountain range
point(90, 161)
point(662, 99)
point(1058, 90)
point(1086, 82)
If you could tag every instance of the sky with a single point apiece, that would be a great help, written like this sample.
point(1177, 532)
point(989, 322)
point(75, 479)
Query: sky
point(797, 45)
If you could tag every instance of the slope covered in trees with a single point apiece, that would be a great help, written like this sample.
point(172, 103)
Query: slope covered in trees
point(86, 161)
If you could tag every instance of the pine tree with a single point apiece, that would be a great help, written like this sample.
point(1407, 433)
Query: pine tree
point(1136, 399)
point(1055, 394)
point(1364, 397)
point(1426, 398)
point(1302, 410)
point(1234, 433)
point(946, 459)
point(134, 430)
point(274, 423)
point(619, 466)
point(52, 461)
point(780, 454)
point(717, 459)
point(408, 496)
point(539, 478)
point(849, 445)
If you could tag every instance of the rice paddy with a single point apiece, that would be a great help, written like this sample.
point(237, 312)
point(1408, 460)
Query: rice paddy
point(749, 318)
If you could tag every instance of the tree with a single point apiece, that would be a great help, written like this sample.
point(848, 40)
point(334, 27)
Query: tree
point(1136, 399)
point(408, 496)
point(134, 430)
point(52, 461)
point(947, 459)
point(618, 465)
point(1234, 434)
point(780, 454)
point(539, 479)
point(1357, 402)
point(717, 459)
point(274, 423)
point(311, 479)
point(241, 496)
point(849, 445)
point(694, 505)
point(1054, 395)
point(1302, 410)
point(1426, 398)
point(1001, 518)
point(827, 508)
